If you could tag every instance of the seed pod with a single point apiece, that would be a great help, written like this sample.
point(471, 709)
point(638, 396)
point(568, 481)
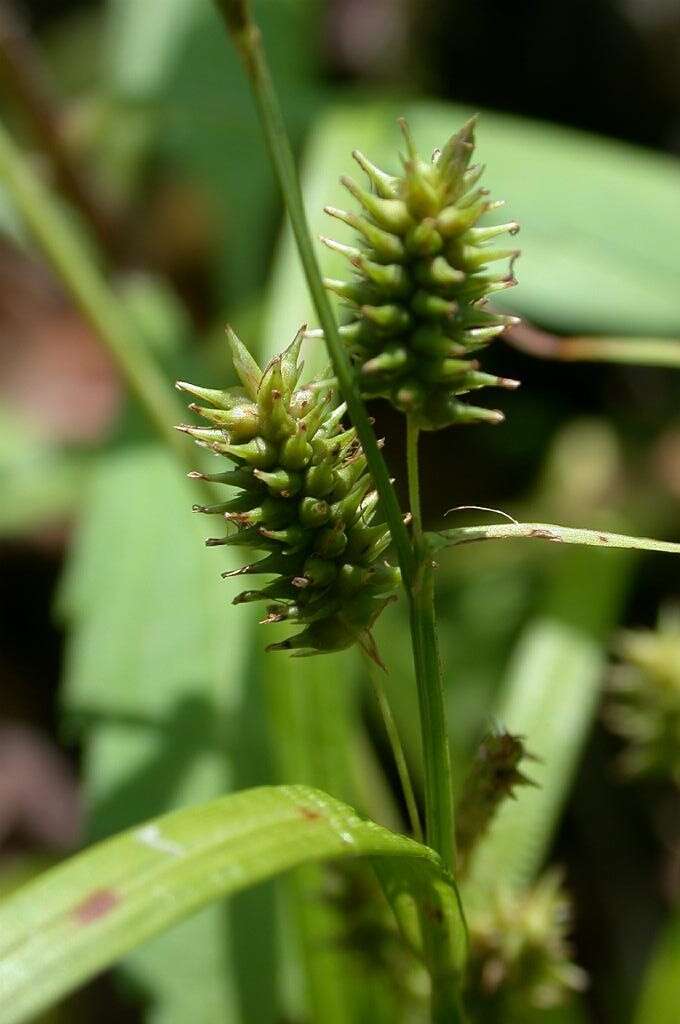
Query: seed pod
point(421, 264)
point(303, 496)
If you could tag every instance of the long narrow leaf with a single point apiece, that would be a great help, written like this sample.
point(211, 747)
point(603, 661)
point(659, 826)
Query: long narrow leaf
point(547, 531)
point(78, 918)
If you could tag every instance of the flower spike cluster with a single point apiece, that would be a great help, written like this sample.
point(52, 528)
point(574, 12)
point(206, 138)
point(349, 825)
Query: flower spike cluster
point(305, 500)
point(422, 278)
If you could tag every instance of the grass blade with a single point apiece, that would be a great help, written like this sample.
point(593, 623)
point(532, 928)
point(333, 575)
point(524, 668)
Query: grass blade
point(547, 531)
point(81, 916)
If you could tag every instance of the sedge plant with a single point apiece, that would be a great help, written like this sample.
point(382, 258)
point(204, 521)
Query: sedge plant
point(305, 496)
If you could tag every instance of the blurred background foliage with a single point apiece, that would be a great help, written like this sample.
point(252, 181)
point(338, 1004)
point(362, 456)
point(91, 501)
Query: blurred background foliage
point(128, 685)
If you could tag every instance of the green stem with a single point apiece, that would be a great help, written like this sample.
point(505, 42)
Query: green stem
point(415, 568)
point(397, 750)
point(246, 36)
point(439, 824)
point(72, 262)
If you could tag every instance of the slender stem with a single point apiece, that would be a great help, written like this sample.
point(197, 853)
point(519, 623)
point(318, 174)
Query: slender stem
point(439, 823)
point(412, 437)
point(397, 750)
point(246, 36)
point(627, 350)
point(73, 264)
point(415, 568)
point(28, 82)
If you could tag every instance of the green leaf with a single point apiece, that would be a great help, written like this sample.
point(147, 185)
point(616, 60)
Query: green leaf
point(660, 996)
point(549, 532)
point(586, 265)
point(39, 483)
point(81, 916)
point(155, 682)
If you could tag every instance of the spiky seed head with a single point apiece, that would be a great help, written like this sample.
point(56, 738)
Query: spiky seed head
point(422, 270)
point(520, 955)
point(303, 497)
point(643, 700)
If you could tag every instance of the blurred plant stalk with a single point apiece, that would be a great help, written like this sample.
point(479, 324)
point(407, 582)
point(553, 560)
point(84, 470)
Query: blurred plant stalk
point(587, 349)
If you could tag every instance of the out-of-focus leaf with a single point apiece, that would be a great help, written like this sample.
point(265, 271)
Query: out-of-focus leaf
point(600, 219)
point(83, 915)
point(143, 42)
point(208, 131)
point(155, 672)
point(157, 313)
point(660, 998)
point(39, 484)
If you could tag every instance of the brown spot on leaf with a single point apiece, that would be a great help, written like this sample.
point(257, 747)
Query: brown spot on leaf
point(546, 535)
point(603, 537)
point(96, 905)
point(309, 814)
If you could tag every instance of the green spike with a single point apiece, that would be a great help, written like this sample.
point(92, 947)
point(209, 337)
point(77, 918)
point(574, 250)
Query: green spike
point(281, 481)
point(233, 477)
point(349, 251)
point(248, 371)
point(386, 245)
point(391, 360)
point(356, 292)
point(319, 480)
point(296, 451)
point(386, 185)
point(390, 317)
point(431, 306)
point(455, 156)
point(438, 272)
point(453, 221)
point(291, 367)
point(346, 508)
point(239, 505)
point(362, 539)
point(347, 476)
point(258, 453)
point(242, 422)
point(331, 541)
point(477, 337)
point(425, 239)
point(392, 278)
point(249, 537)
point(314, 512)
point(390, 214)
point(222, 399)
point(293, 536)
point(474, 258)
point(478, 235)
point(273, 591)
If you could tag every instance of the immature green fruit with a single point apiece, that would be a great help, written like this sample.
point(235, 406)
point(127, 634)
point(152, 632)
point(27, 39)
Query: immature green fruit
point(302, 495)
point(643, 703)
point(520, 957)
point(422, 275)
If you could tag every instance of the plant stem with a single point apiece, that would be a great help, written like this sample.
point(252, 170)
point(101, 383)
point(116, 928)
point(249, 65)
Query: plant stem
point(397, 750)
point(73, 263)
point(439, 824)
point(583, 348)
point(415, 567)
point(246, 36)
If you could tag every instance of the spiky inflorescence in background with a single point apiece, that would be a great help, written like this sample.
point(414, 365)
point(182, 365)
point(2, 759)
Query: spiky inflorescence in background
point(421, 283)
point(520, 957)
point(305, 499)
point(644, 698)
point(491, 780)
